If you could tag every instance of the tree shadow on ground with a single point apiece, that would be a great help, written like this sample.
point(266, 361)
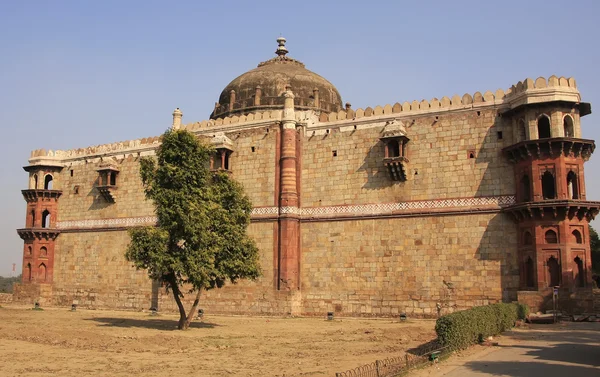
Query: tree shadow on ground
point(575, 333)
point(425, 348)
point(529, 369)
point(572, 352)
point(156, 324)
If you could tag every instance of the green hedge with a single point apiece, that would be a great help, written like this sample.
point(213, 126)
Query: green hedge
point(467, 327)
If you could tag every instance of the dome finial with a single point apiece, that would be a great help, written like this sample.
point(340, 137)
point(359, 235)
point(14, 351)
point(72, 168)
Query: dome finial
point(281, 50)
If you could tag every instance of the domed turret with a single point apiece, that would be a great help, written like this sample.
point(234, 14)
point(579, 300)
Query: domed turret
point(261, 88)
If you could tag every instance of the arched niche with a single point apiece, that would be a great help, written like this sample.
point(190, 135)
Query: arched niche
point(543, 126)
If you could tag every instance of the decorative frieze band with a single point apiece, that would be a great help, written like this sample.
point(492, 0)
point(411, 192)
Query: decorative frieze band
point(383, 209)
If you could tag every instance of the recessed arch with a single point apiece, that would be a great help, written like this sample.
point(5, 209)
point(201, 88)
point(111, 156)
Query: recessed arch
point(568, 127)
point(543, 126)
point(28, 272)
point(43, 252)
point(35, 182)
point(48, 182)
point(548, 185)
point(42, 272)
point(550, 236)
point(572, 185)
point(553, 271)
point(527, 238)
point(577, 236)
point(29, 250)
point(522, 130)
point(32, 218)
point(46, 219)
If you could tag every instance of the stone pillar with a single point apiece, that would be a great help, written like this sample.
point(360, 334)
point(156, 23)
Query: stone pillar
point(231, 99)
point(289, 219)
point(257, 95)
point(177, 114)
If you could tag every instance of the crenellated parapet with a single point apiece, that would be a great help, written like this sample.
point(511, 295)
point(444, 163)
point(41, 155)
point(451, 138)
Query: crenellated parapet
point(525, 92)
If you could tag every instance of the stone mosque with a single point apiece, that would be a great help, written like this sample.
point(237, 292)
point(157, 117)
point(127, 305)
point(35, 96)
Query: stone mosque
point(422, 207)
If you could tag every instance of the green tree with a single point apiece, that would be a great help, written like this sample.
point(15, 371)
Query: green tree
point(6, 283)
point(595, 250)
point(200, 240)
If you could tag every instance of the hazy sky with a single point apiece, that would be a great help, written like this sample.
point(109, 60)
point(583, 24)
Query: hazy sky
point(81, 73)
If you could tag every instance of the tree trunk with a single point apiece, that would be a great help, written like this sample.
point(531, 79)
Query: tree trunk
point(193, 310)
point(177, 294)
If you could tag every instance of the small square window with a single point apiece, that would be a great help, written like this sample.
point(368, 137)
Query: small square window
point(334, 153)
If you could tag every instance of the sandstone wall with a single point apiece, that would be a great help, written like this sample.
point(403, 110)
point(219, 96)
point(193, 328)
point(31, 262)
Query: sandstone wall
point(253, 164)
point(439, 165)
point(82, 201)
point(388, 266)
point(91, 271)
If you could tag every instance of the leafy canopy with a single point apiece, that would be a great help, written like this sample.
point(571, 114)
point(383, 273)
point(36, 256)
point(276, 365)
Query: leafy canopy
point(201, 237)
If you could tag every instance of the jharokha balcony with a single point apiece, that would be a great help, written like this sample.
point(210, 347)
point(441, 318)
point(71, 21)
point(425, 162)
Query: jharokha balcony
point(556, 146)
point(555, 210)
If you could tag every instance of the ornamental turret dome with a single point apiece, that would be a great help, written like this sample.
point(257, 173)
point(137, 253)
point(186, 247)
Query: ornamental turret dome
point(261, 88)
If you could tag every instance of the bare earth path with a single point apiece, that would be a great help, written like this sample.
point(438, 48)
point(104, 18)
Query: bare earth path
point(564, 350)
point(114, 343)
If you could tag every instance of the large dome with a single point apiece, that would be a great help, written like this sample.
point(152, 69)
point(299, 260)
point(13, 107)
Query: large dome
point(261, 88)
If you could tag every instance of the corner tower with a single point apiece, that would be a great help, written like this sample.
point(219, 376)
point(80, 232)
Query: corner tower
point(40, 232)
point(551, 209)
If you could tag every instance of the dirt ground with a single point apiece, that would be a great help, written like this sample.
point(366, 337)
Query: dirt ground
point(59, 342)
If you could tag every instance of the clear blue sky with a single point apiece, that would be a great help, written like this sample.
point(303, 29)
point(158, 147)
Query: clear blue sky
point(80, 73)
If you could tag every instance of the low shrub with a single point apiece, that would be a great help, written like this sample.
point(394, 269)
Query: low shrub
point(467, 327)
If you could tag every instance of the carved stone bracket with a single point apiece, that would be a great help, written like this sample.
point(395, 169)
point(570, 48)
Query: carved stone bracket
point(108, 192)
point(38, 233)
point(555, 210)
point(35, 195)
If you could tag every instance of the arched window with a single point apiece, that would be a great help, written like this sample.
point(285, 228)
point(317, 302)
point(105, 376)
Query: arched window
point(522, 130)
point(46, 219)
point(42, 272)
point(35, 182)
point(48, 182)
point(551, 236)
point(525, 189)
point(29, 250)
point(572, 185)
point(28, 272)
point(577, 236)
point(32, 217)
point(529, 271)
point(43, 252)
point(580, 276)
point(548, 186)
point(527, 238)
point(568, 126)
point(543, 125)
point(553, 271)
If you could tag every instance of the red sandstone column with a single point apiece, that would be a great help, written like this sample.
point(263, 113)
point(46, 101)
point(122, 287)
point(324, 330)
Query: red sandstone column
point(289, 219)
